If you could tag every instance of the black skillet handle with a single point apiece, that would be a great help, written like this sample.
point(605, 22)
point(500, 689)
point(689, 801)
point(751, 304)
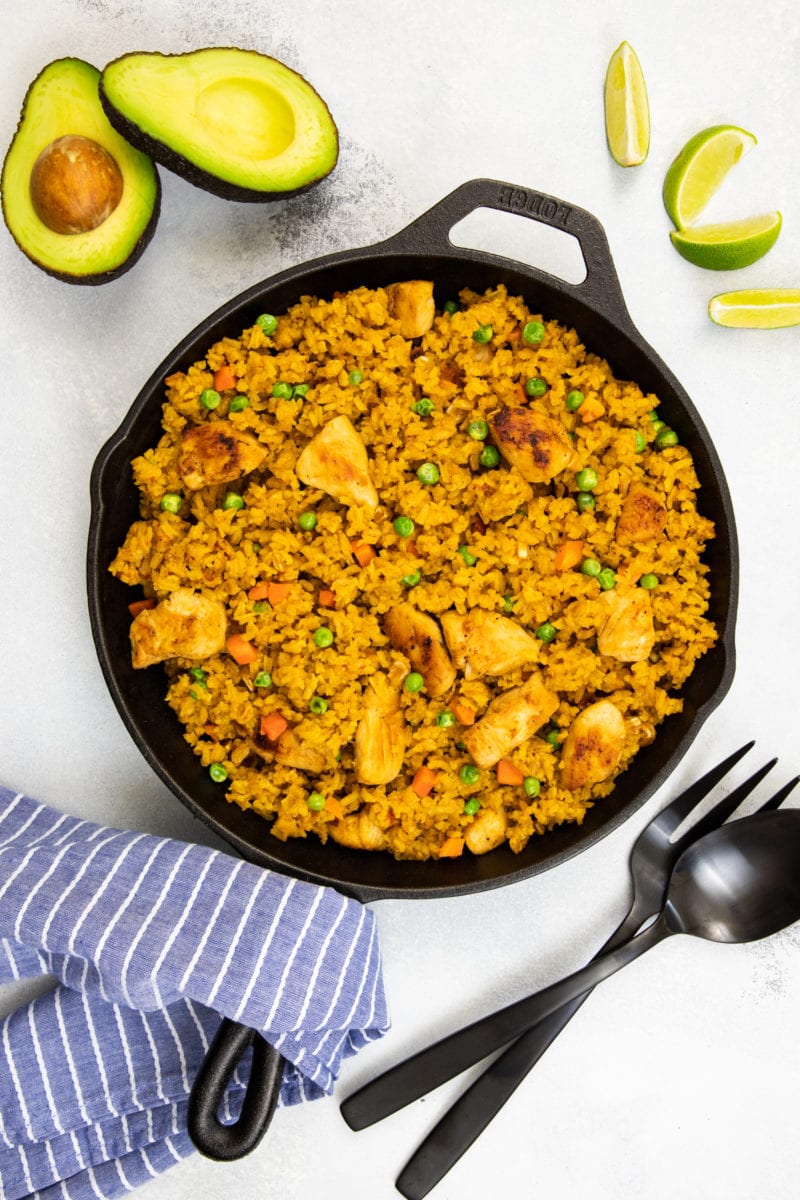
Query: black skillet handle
point(227, 1142)
point(601, 289)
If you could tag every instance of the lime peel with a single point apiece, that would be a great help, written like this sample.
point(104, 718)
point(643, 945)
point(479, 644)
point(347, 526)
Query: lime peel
point(756, 308)
point(627, 110)
point(729, 246)
point(699, 169)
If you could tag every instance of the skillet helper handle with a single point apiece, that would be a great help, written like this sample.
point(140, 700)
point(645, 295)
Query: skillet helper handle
point(228, 1142)
point(430, 233)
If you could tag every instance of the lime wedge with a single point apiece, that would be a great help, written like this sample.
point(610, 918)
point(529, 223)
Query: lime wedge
point(758, 308)
point(727, 247)
point(627, 110)
point(695, 174)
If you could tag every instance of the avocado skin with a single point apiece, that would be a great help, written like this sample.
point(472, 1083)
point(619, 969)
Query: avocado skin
point(181, 166)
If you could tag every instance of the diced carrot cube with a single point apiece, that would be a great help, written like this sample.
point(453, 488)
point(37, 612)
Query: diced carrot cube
point(590, 410)
point(260, 591)
point(363, 552)
point(333, 807)
point(453, 847)
point(423, 781)
point(242, 651)
point(273, 725)
point(508, 773)
point(327, 598)
point(224, 379)
point(568, 555)
point(140, 606)
point(463, 713)
point(278, 592)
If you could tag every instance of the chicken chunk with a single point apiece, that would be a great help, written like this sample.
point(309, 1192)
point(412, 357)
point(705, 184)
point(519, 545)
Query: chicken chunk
point(643, 516)
point(593, 746)
point(420, 639)
point(185, 625)
point(358, 831)
point(290, 752)
point(627, 632)
point(486, 832)
point(217, 452)
point(335, 461)
point(510, 720)
point(486, 643)
point(380, 742)
point(411, 304)
point(533, 442)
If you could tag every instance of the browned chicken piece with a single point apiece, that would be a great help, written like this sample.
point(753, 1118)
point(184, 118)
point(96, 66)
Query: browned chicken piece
point(486, 832)
point(420, 639)
point(290, 752)
point(593, 746)
point(486, 643)
point(510, 720)
point(412, 305)
point(380, 742)
point(627, 632)
point(217, 452)
point(533, 442)
point(358, 831)
point(185, 625)
point(643, 516)
point(335, 461)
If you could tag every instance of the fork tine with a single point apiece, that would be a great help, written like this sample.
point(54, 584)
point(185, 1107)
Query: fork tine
point(777, 800)
point(682, 805)
point(724, 807)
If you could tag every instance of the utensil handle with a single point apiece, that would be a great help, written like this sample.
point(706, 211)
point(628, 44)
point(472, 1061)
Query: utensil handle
point(423, 1072)
point(210, 1136)
point(600, 289)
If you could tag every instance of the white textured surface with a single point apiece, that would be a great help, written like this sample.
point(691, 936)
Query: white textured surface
point(679, 1078)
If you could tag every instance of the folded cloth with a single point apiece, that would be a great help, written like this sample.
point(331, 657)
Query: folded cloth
point(152, 940)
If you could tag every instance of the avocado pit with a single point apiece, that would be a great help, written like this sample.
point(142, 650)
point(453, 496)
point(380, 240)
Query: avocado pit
point(75, 185)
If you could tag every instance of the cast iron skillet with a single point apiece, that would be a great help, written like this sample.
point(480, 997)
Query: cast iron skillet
point(423, 249)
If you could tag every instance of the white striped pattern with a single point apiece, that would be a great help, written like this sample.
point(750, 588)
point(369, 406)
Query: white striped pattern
point(152, 940)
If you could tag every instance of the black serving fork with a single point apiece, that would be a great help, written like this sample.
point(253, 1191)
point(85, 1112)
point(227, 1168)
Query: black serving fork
point(652, 859)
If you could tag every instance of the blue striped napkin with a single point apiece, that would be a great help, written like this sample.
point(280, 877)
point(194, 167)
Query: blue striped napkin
point(152, 939)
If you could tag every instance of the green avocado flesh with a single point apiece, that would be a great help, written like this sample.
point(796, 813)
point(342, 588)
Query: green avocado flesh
point(235, 122)
point(63, 103)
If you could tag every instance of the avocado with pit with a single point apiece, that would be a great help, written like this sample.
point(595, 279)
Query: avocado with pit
point(78, 200)
point(235, 122)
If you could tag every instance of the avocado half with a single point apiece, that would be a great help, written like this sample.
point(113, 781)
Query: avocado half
point(234, 122)
point(78, 200)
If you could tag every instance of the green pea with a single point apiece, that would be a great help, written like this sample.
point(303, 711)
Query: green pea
point(451, 306)
point(428, 474)
point(591, 567)
point(281, 390)
point(531, 785)
point(666, 437)
point(471, 806)
point(653, 414)
point(490, 456)
point(318, 705)
point(585, 502)
point(307, 521)
point(232, 500)
point(535, 387)
point(533, 332)
point(586, 479)
point(607, 579)
point(323, 637)
point(658, 426)
point(194, 694)
point(445, 719)
point(414, 682)
point(574, 400)
point(218, 772)
point(648, 582)
point(641, 442)
point(356, 377)
point(424, 407)
point(238, 403)
point(461, 745)
point(316, 801)
point(199, 675)
point(255, 547)
point(263, 680)
point(209, 398)
point(261, 606)
point(267, 322)
point(508, 604)
point(469, 773)
point(546, 633)
point(299, 390)
point(469, 558)
point(478, 430)
point(413, 579)
point(171, 502)
point(403, 526)
point(553, 738)
point(483, 334)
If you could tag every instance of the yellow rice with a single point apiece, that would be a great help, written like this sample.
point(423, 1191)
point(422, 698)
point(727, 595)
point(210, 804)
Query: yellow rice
point(223, 553)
